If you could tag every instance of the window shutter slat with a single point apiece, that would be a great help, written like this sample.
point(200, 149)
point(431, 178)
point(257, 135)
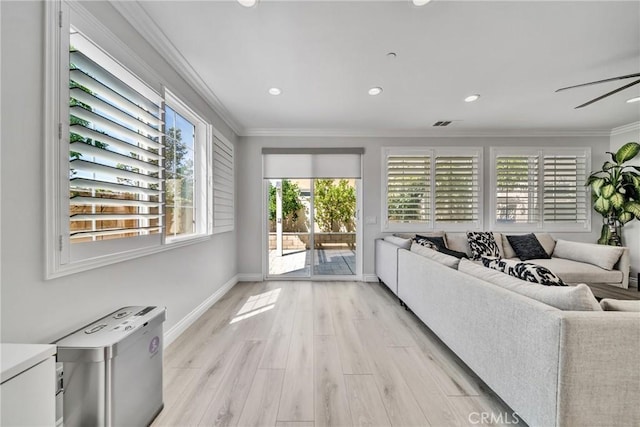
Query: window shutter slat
point(565, 197)
point(456, 189)
point(115, 159)
point(517, 189)
point(223, 186)
point(80, 61)
point(408, 189)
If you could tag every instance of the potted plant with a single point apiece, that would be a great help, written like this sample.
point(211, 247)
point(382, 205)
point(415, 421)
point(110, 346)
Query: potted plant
point(615, 192)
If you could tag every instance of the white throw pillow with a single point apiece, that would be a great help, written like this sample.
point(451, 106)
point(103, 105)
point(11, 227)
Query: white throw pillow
point(398, 241)
point(571, 298)
point(448, 260)
point(601, 255)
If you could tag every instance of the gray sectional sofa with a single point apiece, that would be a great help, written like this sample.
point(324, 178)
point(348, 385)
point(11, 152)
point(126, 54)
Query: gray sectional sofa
point(553, 367)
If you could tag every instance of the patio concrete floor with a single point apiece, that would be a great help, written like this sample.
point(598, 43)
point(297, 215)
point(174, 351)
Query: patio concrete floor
point(333, 261)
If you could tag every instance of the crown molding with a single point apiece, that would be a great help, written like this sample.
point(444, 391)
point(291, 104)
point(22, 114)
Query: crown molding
point(635, 126)
point(139, 19)
point(439, 133)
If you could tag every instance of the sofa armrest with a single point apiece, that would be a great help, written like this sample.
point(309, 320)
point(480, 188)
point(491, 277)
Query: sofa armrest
point(624, 265)
point(598, 378)
point(588, 252)
point(386, 264)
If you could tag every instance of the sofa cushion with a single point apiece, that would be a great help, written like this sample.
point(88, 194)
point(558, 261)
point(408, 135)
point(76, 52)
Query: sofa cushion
point(448, 260)
point(580, 272)
point(438, 241)
point(423, 233)
point(451, 252)
point(545, 240)
point(527, 271)
point(527, 247)
point(458, 242)
point(601, 255)
point(482, 243)
point(609, 304)
point(572, 298)
point(398, 241)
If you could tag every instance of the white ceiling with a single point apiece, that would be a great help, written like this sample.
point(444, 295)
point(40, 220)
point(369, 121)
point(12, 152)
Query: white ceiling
point(326, 55)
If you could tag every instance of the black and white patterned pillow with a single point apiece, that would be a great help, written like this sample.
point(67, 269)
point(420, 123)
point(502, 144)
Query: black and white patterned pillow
point(426, 243)
point(524, 271)
point(482, 244)
point(430, 241)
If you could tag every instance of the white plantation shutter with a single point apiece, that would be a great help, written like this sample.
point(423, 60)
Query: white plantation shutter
point(541, 187)
point(408, 189)
point(223, 209)
point(516, 189)
point(115, 143)
point(457, 189)
point(564, 193)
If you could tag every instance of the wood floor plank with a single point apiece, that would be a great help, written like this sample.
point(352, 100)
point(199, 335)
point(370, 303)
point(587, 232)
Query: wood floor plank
point(296, 401)
point(452, 377)
point(353, 357)
point(365, 402)
point(277, 343)
point(305, 371)
point(229, 398)
point(261, 406)
point(434, 403)
point(295, 424)
point(177, 382)
point(400, 403)
point(322, 322)
point(331, 404)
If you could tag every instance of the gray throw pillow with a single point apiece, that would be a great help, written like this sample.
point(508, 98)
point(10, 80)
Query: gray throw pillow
point(527, 247)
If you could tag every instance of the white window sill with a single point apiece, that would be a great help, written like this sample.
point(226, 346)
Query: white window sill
point(90, 264)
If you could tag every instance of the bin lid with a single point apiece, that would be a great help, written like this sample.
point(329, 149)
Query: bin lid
point(113, 328)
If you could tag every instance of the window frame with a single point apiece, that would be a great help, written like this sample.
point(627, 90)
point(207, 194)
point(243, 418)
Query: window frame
point(540, 224)
point(432, 224)
point(203, 164)
point(56, 142)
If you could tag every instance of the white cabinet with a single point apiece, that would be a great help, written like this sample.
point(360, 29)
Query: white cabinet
point(27, 389)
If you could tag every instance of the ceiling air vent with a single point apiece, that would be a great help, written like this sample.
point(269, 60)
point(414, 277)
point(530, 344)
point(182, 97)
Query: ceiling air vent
point(442, 123)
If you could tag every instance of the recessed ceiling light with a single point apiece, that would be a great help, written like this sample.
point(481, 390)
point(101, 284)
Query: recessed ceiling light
point(248, 3)
point(375, 91)
point(391, 55)
point(636, 99)
point(420, 2)
point(275, 91)
point(472, 98)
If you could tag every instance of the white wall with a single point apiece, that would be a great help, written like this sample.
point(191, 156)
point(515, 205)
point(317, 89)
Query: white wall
point(631, 231)
point(250, 182)
point(37, 310)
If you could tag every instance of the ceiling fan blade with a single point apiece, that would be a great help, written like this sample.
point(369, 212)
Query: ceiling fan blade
point(628, 76)
point(609, 94)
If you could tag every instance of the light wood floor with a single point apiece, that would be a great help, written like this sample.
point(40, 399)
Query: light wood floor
point(294, 354)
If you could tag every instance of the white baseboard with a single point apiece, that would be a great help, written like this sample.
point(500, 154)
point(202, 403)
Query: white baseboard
point(250, 277)
point(370, 278)
point(188, 320)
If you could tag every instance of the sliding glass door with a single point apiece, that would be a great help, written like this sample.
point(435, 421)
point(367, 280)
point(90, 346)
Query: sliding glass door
point(311, 227)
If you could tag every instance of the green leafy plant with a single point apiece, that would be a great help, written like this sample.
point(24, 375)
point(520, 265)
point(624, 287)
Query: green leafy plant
point(615, 191)
point(335, 205)
point(292, 207)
